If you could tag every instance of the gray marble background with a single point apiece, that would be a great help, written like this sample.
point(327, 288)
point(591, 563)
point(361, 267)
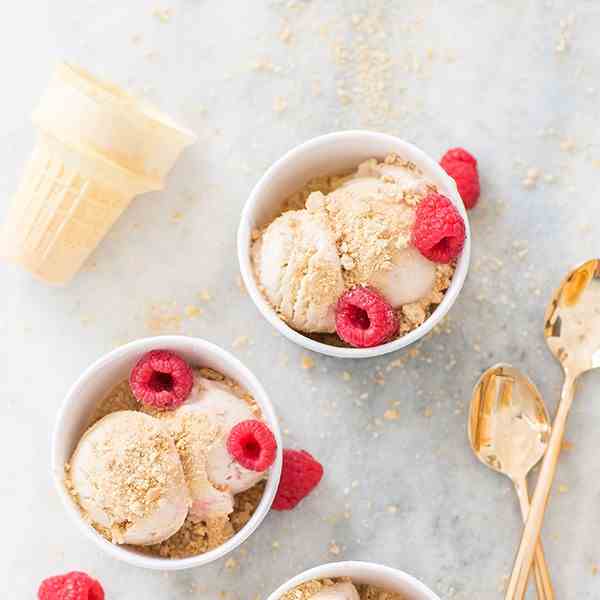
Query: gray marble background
point(514, 81)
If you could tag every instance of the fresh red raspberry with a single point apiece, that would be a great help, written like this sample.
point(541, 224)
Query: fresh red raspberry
point(71, 586)
point(462, 167)
point(439, 230)
point(459, 154)
point(363, 318)
point(300, 475)
point(252, 444)
point(161, 379)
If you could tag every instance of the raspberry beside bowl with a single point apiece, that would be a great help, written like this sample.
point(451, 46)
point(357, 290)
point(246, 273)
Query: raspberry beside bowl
point(98, 379)
point(328, 155)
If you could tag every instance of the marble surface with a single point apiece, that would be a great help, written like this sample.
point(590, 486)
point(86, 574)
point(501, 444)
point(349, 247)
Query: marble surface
point(515, 82)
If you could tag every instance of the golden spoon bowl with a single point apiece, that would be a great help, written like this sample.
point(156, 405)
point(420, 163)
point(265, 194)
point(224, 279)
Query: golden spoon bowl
point(572, 331)
point(509, 429)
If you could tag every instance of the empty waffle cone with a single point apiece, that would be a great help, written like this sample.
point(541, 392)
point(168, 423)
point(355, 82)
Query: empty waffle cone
point(98, 147)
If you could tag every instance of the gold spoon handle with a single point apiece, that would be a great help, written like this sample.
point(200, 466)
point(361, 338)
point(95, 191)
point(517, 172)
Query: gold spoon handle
point(518, 580)
point(540, 568)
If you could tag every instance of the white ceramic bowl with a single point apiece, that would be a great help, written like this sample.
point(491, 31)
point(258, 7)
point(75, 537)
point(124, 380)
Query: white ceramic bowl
point(384, 577)
point(98, 379)
point(327, 155)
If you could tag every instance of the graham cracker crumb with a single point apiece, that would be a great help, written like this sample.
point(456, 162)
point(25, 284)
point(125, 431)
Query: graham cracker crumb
point(280, 104)
point(306, 590)
point(192, 312)
point(391, 414)
point(307, 362)
point(194, 537)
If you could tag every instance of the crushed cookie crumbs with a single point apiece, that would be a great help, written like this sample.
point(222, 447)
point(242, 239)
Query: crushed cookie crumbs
point(306, 590)
point(194, 537)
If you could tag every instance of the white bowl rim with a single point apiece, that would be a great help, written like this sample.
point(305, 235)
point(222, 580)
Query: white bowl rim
point(245, 235)
point(347, 569)
point(140, 346)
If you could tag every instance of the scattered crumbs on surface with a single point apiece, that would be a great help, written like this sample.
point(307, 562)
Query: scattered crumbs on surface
point(566, 445)
point(275, 545)
point(231, 563)
point(307, 362)
point(316, 89)
point(163, 14)
point(346, 376)
point(564, 36)
point(334, 548)
point(240, 341)
point(192, 312)
point(205, 295)
point(163, 318)
point(428, 412)
point(391, 414)
point(177, 217)
point(567, 145)
point(595, 570)
point(531, 177)
point(285, 35)
point(562, 488)
point(265, 65)
point(86, 320)
point(392, 509)
point(280, 104)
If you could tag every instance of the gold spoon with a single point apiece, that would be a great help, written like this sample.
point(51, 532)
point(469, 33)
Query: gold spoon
point(572, 331)
point(509, 430)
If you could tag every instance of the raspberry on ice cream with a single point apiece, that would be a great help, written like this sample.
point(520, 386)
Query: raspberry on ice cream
point(364, 318)
point(71, 586)
point(252, 444)
point(300, 475)
point(354, 230)
point(439, 231)
point(206, 420)
point(161, 379)
point(462, 167)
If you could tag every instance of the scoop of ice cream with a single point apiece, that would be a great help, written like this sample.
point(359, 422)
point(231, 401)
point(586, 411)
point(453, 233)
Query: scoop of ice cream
point(337, 591)
point(128, 478)
point(299, 269)
point(211, 411)
point(410, 277)
point(370, 222)
point(371, 215)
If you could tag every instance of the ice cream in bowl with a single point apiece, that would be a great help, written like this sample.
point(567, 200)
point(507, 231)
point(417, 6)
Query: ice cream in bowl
point(353, 580)
point(354, 244)
point(167, 453)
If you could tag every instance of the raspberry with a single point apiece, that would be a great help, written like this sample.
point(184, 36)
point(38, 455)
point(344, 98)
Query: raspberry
point(300, 475)
point(439, 230)
point(460, 155)
point(252, 445)
point(161, 379)
point(72, 586)
point(462, 167)
point(363, 318)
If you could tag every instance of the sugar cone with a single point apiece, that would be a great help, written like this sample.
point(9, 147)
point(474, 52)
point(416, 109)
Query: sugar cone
point(98, 147)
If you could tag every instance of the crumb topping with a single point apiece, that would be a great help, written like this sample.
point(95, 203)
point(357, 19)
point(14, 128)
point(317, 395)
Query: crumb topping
point(370, 213)
point(308, 589)
point(132, 478)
